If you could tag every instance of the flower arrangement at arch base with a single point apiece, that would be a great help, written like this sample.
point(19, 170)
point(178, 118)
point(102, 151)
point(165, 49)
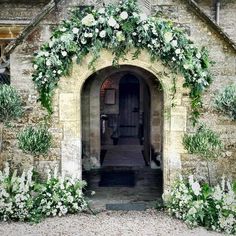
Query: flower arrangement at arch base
point(201, 205)
point(120, 28)
point(27, 198)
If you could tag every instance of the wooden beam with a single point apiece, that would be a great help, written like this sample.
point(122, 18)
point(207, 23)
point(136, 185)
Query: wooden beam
point(29, 28)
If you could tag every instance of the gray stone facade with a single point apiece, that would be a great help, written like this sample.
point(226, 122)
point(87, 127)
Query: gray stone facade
point(21, 12)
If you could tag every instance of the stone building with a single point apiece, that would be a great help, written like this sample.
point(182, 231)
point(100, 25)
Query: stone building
point(96, 115)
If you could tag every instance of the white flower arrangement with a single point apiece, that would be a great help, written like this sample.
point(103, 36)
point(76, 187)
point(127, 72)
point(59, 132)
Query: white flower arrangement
point(213, 207)
point(26, 200)
point(108, 28)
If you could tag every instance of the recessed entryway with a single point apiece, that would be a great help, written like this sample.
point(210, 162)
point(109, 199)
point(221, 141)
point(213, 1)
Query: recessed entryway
point(123, 134)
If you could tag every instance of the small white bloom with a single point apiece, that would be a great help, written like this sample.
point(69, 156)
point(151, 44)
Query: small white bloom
point(134, 33)
point(124, 15)
point(75, 30)
point(35, 66)
point(112, 22)
point(48, 63)
point(96, 30)
point(198, 55)
point(101, 20)
point(102, 34)
point(59, 72)
point(168, 36)
point(90, 35)
point(173, 59)
point(46, 54)
point(63, 29)
point(177, 51)
point(120, 36)
point(117, 26)
point(83, 41)
point(196, 188)
point(174, 43)
point(88, 20)
point(64, 53)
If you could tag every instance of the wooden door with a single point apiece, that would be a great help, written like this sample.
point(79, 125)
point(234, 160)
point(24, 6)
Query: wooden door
point(129, 107)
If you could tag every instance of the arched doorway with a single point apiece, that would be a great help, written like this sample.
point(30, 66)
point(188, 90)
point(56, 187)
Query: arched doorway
point(80, 123)
point(122, 133)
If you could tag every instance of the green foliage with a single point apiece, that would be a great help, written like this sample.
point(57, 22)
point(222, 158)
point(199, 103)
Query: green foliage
point(26, 198)
point(35, 139)
point(225, 101)
point(201, 205)
point(120, 28)
point(10, 103)
point(205, 143)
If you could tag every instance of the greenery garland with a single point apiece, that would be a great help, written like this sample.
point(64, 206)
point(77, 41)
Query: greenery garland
point(119, 28)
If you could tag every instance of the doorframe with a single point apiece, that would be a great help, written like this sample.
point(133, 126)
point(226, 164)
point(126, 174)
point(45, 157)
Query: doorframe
point(68, 101)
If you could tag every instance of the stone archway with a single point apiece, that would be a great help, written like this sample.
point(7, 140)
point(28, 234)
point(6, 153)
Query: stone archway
point(68, 102)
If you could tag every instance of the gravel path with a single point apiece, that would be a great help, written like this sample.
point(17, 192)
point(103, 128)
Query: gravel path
point(107, 223)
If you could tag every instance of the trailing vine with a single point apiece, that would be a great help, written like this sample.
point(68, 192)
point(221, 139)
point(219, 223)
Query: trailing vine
point(120, 28)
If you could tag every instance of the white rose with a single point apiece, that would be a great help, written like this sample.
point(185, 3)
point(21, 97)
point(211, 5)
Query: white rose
point(143, 17)
point(75, 30)
point(117, 26)
point(83, 41)
point(168, 36)
point(48, 63)
point(112, 22)
point(123, 15)
point(64, 53)
point(102, 34)
point(46, 54)
point(88, 20)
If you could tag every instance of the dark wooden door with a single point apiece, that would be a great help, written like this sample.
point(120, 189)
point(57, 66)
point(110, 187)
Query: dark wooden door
point(129, 107)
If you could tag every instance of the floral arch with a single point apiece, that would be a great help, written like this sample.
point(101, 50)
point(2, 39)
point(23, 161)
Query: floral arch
point(120, 29)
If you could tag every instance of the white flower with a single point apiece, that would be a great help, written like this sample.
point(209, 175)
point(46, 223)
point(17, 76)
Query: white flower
point(59, 72)
point(168, 36)
point(101, 10)
point(102, 34)
point(96, 30)
point(83, 41)
point(35, 66)
point(192, 211)
point(88, 35)
point(64, 53)
point(198, 55)
point(46, 54)
point(63, 29)
point(124, 15)
point(48, 62)
point(75, 30)
point(120, 36)
point(117, 26)
point(143, 17)
point(174, 43)
point(177, 51)
point(101, 20)
point(112, 22)
point(196, 188)
point(88, 20)
point(134, 33)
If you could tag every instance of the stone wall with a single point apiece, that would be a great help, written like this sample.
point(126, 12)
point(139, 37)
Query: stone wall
point(224, 72)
